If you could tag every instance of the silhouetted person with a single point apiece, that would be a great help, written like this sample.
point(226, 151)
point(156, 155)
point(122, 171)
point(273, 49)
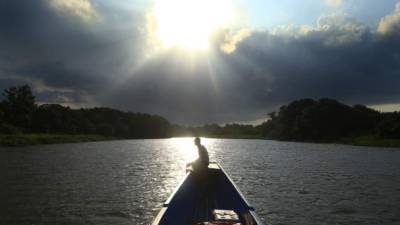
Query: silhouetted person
point(201, 163)
point(200, 174)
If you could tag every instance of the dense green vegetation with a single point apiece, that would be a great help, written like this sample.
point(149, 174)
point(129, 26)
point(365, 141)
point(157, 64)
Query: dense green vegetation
point(24, 122)
point(327, 120)
point(217, 131)
point(371, 140)
point(308, 120)
point(19, 114)
point(38, 139)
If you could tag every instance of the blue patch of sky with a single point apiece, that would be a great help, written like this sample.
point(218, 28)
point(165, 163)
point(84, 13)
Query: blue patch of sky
point(136, 5)
point(370, 11)
point(271, 13)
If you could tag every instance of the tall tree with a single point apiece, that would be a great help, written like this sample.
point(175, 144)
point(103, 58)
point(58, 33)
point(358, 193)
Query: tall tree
point(19, 105)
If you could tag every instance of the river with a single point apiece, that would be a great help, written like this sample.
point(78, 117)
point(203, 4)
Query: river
point(126, 182)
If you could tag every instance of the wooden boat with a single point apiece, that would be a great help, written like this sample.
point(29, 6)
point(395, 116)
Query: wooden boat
point(207, 198)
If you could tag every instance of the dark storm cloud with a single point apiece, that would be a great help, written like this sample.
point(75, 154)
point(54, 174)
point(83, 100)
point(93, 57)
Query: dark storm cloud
point(167, 85)
point(40, 43)
point(344, 60)
point(75, 62)
point(340, 58)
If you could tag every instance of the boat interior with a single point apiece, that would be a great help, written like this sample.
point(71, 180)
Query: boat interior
point(200, 194)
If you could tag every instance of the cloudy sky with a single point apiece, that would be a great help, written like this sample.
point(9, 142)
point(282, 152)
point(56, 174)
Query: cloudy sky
point(202, 61)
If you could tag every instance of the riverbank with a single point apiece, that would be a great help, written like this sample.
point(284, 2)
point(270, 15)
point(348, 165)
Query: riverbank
point(237, 136)
point(371, 141)
point(366, 140)
point(40, 139)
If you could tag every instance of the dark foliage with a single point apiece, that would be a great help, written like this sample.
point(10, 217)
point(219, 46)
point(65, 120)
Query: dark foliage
point(9, 129)
point(19, 111)
point(329, 120)
point(389, 126)
point(302, 120)
point(215, 130)
point(18, 106)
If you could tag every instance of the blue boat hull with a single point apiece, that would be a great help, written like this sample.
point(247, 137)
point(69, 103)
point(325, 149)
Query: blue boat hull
point(198, 195)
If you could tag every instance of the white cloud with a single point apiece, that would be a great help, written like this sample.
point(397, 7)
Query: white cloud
point(390, 23)
point(342, 29)
point(231, 39)
point(82, 9)
point(334, 3)
point(332, 30)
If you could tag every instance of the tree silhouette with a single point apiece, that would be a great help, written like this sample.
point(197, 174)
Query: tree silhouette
point(301, 120)
point(322, 120)
point(18, 106)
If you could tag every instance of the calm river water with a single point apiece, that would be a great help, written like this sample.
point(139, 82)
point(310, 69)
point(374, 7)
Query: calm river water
point(126, 182)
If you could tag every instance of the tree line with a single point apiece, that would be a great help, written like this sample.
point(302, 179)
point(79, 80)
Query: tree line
point(329, 120)
point(19, 113)
point(324, 120)
point(214, 130)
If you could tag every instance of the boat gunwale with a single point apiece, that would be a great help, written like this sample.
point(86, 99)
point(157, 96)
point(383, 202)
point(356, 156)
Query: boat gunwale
point(250, 207)
point(166, 203)
point(159, 216)
point(165, 206)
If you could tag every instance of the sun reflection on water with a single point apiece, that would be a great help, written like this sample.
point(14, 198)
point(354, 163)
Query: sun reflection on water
point(186, 148)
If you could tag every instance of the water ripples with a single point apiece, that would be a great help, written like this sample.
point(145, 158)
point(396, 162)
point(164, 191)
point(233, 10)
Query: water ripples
point(126, 182)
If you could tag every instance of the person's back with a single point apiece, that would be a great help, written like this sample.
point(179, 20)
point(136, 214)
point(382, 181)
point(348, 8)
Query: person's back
point(203, 155)
point(200, 173)
point(202, 162)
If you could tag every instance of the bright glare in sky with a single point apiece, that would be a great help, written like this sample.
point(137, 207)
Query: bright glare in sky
point(189, 23)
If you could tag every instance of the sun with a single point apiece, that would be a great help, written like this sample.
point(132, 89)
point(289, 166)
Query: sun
point(189, 23)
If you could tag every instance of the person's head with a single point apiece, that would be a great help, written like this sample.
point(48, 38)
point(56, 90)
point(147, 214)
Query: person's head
point(197, 141)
